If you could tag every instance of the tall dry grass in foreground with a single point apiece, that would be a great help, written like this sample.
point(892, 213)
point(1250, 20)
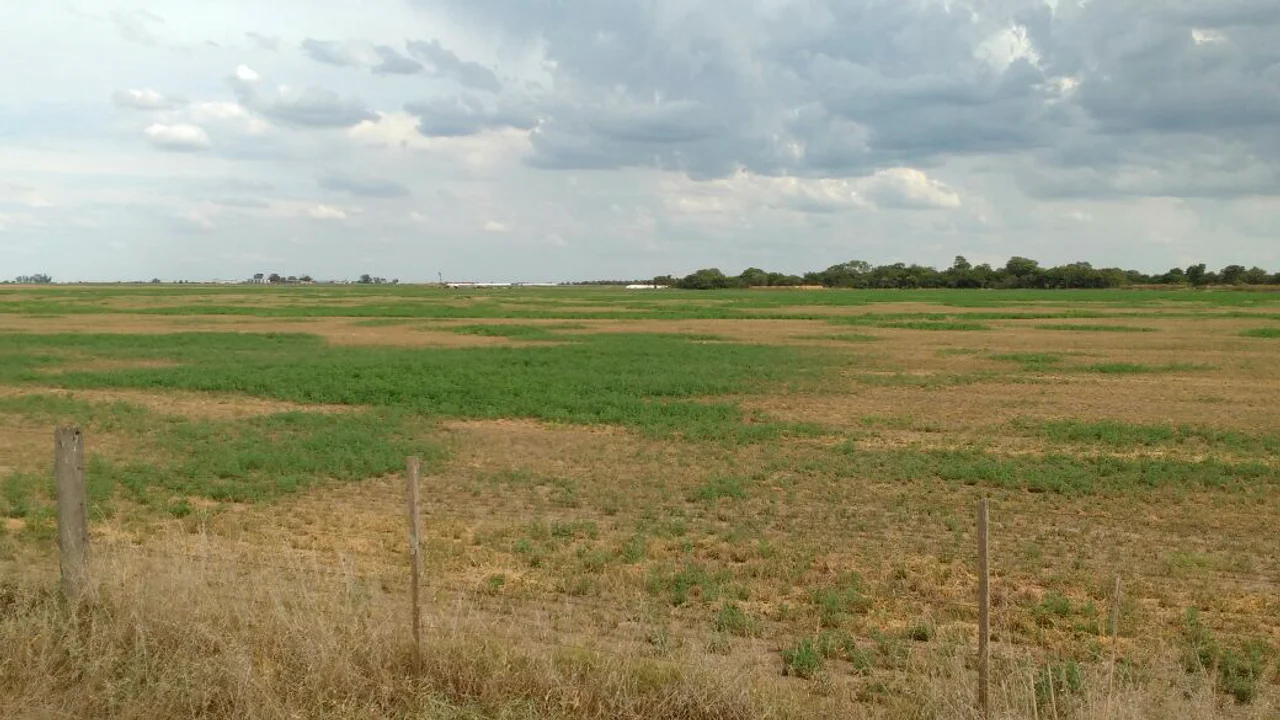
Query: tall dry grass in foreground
point(165, 638)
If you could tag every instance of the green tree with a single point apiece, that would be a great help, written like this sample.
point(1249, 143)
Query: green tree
point(1232, 274)
point(754, 277)
point(1196, 275)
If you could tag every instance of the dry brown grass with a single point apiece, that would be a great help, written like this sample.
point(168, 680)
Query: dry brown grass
point(278, 636)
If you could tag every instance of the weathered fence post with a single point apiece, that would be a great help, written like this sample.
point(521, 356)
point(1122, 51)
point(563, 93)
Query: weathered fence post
point(984, 614)
point(73, 526)
point(415, 553)
point(1114, 629)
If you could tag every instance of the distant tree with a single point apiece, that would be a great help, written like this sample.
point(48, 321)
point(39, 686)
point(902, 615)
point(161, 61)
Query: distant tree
point(663, 281)
point(292, 278)
point(305, 278)
point(754, 277)
point(155, 281)
point(1196, 275)
point(960, 263)
point(1232, 275)
point(366, 279)
point(705, 279)
point(1254, 276)
point(258, 277)
point(274, 278)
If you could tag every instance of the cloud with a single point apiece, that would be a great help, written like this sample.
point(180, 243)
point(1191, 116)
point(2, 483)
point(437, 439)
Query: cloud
point(331, 52)
point(21, 195)
point(363, 186)
point(394, 63)
point(247, 203)
point(178, 138)
point(269, 43)
point(309, 107)
point(493, 226)
point(326, 212)
point(144, 99)
point(137, 27)
point(907, 188)
point(467, 115)
point(852, 87)
point(445, 63)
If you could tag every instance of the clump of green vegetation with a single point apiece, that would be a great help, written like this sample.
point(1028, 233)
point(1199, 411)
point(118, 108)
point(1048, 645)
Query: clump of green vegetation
point(1097, 328)
point(692, 581)
point(1127, 368)
point(842, 337)
point(1057, 680)
point(1031, 361)
point(1268, 332)
point(248, 460)
point(514, 332)
point(719, 487)
point(953, 325)
point(802, 660)
point(807, 656)
point(1239, 669)
point(732, 620)
point(616, 379)
point(845, 597)
point(1112, 433)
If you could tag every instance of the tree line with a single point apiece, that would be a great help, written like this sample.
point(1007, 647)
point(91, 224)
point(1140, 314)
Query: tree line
point(1019, 272)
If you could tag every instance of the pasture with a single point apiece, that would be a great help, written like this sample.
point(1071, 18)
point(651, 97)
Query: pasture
point(646, 503)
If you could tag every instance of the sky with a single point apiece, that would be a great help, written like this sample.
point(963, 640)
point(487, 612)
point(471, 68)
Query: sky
point(551, 140)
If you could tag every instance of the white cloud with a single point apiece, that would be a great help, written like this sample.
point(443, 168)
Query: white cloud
point(493, 226)
point(247, 74)
point(12, 194)
point(144, 99)
point(1207, 37)
point(908, 188)
point(326, 212)
point(228, 113)
point(178, 138)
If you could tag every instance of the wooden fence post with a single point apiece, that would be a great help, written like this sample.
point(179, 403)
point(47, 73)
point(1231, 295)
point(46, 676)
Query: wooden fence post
point(73, 526)
point(1116, 599)
point(984, 614)
point(415, 553)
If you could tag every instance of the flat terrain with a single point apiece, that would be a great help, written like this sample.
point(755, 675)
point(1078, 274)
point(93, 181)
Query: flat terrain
point(771, 490)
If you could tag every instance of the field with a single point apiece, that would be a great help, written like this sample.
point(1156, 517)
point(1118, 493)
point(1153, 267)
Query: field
point(644, 504)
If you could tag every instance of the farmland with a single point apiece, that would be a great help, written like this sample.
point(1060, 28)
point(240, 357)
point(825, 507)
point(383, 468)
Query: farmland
point(755, 503)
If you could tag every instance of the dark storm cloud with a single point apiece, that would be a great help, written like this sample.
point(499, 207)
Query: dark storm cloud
point(845, 87)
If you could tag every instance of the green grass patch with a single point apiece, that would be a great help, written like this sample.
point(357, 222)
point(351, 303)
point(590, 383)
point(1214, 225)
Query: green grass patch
point(514, 332)
point(1061, 473)
point(933, 325)
point(1031, 361)
point(1114, 434)
point(1127, 368)
point(248, 460)
point(842, 337)
point(732, 620)
point(1097, 328)
point(1268, 332)
point(652, 383)
point(718, 488)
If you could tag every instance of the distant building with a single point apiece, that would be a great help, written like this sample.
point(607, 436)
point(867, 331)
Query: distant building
point(646, 287)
